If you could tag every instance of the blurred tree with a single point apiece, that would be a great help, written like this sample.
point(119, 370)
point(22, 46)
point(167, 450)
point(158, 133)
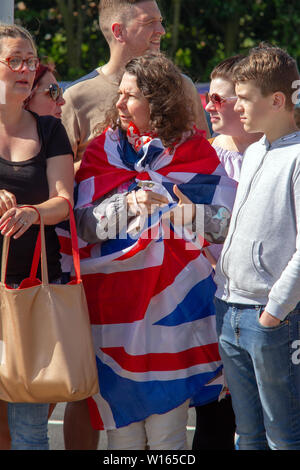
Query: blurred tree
point(72, 12)
point(175, 26)
point(66, 33)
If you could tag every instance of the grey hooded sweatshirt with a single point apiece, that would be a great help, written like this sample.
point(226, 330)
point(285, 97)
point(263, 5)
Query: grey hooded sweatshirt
point(260, 260)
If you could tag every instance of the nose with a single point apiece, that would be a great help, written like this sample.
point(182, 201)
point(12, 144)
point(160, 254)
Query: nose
point(160, 29)
point(237, 107)
point(25, 68)
point(61, 101)
point(210, 107)
point(121, 102)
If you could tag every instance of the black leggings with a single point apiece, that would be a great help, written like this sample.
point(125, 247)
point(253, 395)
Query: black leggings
point(215, 426)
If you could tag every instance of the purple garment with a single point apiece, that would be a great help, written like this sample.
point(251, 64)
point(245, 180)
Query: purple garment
point(231, 161)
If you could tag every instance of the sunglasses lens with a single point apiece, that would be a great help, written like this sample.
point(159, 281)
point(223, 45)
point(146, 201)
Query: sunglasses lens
point(216, 99)
point(54, 91)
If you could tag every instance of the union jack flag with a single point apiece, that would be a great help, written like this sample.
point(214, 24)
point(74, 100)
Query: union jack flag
point(150, 297)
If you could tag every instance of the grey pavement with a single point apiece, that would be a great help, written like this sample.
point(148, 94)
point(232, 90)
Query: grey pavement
point(56, 429)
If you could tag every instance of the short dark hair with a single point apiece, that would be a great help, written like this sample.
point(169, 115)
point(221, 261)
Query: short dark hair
point(161, 82)
point(271, 68)
point(225, 68)
point(110, 10)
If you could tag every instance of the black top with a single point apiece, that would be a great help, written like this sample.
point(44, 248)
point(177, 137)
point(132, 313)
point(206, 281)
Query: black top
point(27, 180)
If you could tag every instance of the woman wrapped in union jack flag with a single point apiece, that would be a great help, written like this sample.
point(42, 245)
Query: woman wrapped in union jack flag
point(151, 194)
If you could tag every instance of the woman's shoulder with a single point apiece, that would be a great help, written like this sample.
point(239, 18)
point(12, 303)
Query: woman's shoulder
point(53, 136)
point(231, 160)
point(46, 124)
point(225, 148)
point(220, 141)
point(48, 121)
point(226, 154)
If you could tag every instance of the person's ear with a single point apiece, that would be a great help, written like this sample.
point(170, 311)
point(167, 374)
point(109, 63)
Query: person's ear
point(117, 31)
point(279, 100)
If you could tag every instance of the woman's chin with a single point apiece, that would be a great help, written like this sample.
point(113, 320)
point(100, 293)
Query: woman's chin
point(124, 124)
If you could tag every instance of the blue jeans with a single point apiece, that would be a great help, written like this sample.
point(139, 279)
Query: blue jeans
point(262, 369)
point(28, 425)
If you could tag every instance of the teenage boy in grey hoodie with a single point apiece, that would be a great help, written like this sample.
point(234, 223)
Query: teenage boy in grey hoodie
point(258, 274)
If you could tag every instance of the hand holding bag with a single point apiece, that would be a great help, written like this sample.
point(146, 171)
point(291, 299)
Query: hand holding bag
point(46, 350)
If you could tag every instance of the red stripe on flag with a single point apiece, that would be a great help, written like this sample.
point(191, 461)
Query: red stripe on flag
point(176, 257)
point(65, 245)
point(66, 248)
point(164, 361)
point(121, 297)
point(195, 155)
point(95, 165)
point(140, 245)
point(85, 252)
point(96, 420)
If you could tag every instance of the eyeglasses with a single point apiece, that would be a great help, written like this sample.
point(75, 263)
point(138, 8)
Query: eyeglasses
point(218, 100)
point(16, 63)
point(55, 91)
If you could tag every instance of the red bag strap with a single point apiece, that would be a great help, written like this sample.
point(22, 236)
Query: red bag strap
point(74, 241)
point(42, 250)
point(36, 257)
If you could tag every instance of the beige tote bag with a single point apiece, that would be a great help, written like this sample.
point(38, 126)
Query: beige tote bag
point(46, 351)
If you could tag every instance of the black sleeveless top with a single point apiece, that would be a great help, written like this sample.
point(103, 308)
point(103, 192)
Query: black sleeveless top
point(27, 180)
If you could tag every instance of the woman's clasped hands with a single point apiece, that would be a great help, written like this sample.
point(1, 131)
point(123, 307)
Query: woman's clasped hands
point(14, 220)
point(145, 201)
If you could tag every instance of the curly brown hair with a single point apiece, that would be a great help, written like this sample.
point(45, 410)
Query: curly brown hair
point(161, 82)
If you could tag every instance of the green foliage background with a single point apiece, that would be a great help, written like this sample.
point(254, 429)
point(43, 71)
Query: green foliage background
point(199, 33)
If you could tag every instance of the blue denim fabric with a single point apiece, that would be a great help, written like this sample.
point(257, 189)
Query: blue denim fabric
point(262, 368)
point(28, 425)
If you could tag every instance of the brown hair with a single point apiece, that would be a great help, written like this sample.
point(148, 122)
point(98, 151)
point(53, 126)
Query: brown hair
point(272, 69)
point(161, 82)
point(113, 10)
point(16, 31)
point(225, 68)
point(40, 72)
